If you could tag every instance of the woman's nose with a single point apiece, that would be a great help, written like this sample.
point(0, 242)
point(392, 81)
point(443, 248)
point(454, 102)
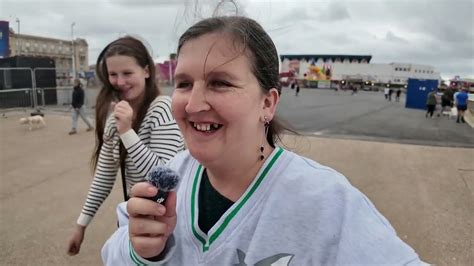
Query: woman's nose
point(197, 101)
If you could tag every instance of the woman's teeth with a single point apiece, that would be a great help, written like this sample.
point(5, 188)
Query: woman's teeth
point(206, 126)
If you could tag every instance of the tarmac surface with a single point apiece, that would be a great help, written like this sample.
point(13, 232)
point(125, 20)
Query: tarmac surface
point(367, 115)
point(426, 192)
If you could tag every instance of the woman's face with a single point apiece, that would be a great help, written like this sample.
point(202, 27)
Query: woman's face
point(217, 101)
point(127, 77)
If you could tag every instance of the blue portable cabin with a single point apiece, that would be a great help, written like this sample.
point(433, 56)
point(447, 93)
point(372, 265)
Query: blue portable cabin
point(417, 92)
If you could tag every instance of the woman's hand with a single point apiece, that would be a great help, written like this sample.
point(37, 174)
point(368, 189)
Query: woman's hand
point(123, 113)
point(150, 223)
point(75, 241)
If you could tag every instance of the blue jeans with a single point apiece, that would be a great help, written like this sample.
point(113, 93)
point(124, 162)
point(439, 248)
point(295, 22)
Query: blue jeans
point(75, 113)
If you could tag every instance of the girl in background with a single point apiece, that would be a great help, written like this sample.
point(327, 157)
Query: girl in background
point(140, 131)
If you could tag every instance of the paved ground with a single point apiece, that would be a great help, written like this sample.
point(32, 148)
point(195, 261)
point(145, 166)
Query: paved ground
point(367, 115)
point(426, 192)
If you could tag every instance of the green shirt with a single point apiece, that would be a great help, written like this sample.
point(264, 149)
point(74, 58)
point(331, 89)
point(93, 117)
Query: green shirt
point(212, 205)
point(431, 98)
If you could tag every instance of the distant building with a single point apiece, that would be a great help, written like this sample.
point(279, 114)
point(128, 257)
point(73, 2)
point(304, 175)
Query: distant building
point(165, 69)
point(355, 69)
point(318, 67)
point(60, 50)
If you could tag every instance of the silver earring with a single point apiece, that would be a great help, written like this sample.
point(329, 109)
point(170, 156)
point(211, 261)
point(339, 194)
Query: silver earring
point(266, 124)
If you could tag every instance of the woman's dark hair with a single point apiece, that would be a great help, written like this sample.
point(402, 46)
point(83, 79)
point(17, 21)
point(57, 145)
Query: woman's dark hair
point(125, 46)
point(259, 48)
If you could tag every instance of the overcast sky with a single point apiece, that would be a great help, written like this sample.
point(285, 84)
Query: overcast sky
point(439, 33)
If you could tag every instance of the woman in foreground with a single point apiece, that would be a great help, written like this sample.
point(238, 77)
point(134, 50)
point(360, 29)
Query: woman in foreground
point(243, 200)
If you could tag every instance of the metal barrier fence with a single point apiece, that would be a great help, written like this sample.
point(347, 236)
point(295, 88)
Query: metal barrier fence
point(32, 87)
point(16, 98)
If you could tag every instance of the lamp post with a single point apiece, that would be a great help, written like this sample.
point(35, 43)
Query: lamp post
point(73, 52)
point(19, 40)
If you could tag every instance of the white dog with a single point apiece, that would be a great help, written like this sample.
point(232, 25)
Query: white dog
point(33, 121)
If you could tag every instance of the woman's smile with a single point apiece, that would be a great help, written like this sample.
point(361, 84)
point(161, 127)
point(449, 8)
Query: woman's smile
point(206, 127)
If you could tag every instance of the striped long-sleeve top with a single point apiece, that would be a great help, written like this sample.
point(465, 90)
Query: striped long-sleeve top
point(158, 140)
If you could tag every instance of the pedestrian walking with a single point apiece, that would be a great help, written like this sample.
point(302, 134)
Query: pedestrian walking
point(397, 96)
point(354, 89)
point(78, 108)
point(430, 103)
point(461, 101)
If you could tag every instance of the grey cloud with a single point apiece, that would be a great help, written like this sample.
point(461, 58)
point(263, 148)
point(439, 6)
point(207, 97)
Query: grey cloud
point(335, 12)
point(449, 21)
point(391, 37)
point(438, 33)
point(295, 15)
point(147, 3)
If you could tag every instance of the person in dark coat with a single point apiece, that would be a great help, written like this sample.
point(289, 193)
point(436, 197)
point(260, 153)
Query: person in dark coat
point(397, 96)
point(390, 92)
point(77, 107)
point(430, 104)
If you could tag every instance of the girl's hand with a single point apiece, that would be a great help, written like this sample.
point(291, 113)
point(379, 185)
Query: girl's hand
point(123, 113)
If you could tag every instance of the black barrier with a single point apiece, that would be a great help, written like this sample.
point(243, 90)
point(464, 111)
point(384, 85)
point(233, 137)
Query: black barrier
point(17, 76)
point(49, 96)
point(16, 98)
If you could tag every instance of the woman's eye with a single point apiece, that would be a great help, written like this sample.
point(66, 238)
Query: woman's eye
point(183, 85)
point(219, 83)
